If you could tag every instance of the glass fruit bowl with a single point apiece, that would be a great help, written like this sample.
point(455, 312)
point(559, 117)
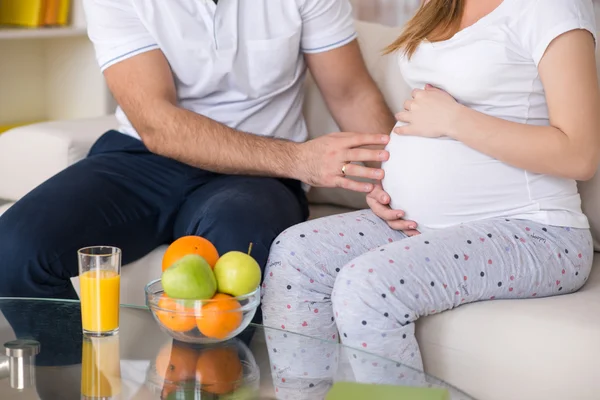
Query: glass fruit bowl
point(226, 370)
point(201, 321)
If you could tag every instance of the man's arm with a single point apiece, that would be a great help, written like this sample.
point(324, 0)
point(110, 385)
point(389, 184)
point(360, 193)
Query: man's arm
point(350, 93)
point(144, 88)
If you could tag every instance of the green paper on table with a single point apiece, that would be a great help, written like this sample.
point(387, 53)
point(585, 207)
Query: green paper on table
point(361, 391)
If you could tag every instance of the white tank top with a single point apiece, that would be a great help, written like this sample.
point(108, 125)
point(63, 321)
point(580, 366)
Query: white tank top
point(490, 67)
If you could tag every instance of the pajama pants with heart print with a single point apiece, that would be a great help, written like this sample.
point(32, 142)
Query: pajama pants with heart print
point(351, 278)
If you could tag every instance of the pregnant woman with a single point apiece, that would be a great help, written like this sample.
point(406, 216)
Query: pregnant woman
point(504, 118)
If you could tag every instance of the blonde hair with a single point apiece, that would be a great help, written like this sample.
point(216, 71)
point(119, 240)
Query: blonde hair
point(436, 20)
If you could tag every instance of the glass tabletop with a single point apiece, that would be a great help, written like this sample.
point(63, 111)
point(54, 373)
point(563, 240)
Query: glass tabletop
point(49, 358)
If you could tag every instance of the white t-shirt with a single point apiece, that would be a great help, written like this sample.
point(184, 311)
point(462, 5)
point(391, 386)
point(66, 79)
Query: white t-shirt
point(490, 67)
point(239, 62)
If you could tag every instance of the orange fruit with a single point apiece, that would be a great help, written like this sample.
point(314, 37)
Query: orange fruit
point(220, 316)
point(176, 363)
point(179, 318)
point(190, 245)
point(219, 370)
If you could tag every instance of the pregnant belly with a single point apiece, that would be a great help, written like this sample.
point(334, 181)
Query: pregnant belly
point(442, 182)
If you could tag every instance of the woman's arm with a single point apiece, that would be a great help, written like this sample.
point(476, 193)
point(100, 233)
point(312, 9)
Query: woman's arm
point(570, 146)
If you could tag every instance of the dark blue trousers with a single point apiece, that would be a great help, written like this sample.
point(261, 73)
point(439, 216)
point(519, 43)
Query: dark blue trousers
point(123, 195)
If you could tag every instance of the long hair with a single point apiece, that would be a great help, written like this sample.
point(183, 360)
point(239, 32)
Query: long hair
point(436, 20)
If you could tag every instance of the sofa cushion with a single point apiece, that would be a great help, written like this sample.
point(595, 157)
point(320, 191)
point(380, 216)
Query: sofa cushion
point(31, 154)
point(590, 202)
point(590, 191)
point(324, 210)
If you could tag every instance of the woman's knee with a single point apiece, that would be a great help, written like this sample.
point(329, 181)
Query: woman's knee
point(294, 243)
point(353, 288)
point(295, 252)
point(283, 274)
point(284, 257)
point(367, 286)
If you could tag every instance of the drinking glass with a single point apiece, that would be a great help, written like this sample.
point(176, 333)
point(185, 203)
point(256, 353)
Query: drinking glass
point(100, 285)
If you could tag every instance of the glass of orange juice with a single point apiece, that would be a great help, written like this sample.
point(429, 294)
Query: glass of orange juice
point(100, 285)
point(100, 368)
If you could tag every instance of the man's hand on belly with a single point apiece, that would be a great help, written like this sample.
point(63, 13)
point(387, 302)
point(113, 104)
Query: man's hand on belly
point(330, 160)
point(378, 200)
point(373, 164)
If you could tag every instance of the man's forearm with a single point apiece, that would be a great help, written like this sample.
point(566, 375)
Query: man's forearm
point(204, 143)
point(364, 112)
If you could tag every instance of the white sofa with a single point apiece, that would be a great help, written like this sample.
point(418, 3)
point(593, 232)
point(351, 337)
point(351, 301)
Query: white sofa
point(526, 349)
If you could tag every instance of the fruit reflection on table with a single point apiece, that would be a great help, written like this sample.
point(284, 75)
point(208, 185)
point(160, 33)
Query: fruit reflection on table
point(203, 297)
point(184, 371)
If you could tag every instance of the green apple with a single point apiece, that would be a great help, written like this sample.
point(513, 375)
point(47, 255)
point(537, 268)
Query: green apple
point(187, 394)
point(237, 273)
point(243, 393)
point(190, 277)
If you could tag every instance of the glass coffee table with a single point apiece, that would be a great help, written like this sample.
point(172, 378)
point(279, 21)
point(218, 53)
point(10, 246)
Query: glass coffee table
point(50, 359)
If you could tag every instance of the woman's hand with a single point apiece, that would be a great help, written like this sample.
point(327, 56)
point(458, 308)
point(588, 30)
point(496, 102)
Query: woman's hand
point(431, 113)
point(379, 202)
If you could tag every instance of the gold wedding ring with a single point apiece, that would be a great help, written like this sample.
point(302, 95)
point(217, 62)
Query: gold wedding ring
point(344, 169)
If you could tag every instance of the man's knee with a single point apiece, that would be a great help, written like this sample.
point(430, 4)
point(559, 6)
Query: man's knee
point(15, 256)
point(25, 260)
point(228, 236)
point(239, 211)
point(235, 228)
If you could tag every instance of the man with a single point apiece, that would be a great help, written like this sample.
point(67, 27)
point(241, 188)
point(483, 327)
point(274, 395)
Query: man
point(211, 141)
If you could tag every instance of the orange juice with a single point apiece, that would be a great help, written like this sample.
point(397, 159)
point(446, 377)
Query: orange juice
point(100, 367)
point(99, 293)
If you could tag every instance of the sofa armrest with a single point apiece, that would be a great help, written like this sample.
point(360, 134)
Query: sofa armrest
point(31, 154)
